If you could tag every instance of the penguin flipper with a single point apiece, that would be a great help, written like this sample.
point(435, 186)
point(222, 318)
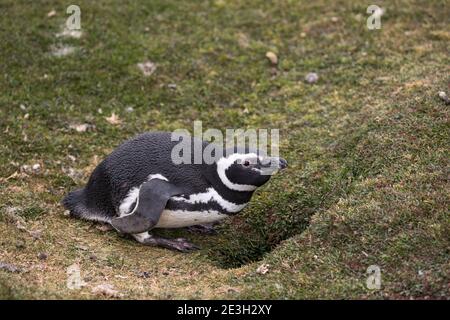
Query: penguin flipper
point(153, 197)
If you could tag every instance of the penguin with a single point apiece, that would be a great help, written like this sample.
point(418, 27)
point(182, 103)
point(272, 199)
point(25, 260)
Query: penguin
point(138, 187)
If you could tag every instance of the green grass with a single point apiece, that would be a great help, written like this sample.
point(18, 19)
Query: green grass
point(367, 144)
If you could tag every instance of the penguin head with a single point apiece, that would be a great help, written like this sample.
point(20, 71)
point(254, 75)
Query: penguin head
point(246, 170)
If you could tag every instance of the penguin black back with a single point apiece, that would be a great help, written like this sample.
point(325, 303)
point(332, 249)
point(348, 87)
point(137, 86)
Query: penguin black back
point(128, 166)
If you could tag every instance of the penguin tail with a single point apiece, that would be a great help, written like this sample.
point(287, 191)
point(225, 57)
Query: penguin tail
point(75, 202)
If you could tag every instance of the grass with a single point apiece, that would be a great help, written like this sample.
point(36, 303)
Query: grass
point(367, 144)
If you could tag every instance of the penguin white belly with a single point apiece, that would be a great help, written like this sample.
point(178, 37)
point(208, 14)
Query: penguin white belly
point(182, 218)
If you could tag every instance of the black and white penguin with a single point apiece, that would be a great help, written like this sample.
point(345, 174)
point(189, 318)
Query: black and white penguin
point(138, 187)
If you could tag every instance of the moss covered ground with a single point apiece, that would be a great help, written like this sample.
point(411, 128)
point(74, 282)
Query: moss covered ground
point(367, 144)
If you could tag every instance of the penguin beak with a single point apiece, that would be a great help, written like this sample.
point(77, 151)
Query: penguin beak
point(273, 165)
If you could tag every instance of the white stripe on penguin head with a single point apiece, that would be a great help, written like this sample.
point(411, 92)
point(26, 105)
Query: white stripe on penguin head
point(224, 163)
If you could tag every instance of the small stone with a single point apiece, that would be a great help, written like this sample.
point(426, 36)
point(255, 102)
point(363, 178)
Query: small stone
point(144, 274)
point(36, 234)
point(82, 127)
point(172, 86)
point(129, 109)
point(334, 19)
point(113, 119)
point(147, 68)
point(34, 169)
point(444, 97)
point(312, 77)
point(71, 158)
point(42, 256)
point(272, 57)
point(20, 244)
point(51, 14)
point(22, 107)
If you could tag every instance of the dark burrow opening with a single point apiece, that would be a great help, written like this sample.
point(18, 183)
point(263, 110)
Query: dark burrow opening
point(271, 219)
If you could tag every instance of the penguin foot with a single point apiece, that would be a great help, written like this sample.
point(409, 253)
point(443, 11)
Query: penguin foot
point(202, 229)
point(179, 244)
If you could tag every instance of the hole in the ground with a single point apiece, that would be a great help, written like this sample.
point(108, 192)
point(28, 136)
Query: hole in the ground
point(272, 218)
point(249, 242)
